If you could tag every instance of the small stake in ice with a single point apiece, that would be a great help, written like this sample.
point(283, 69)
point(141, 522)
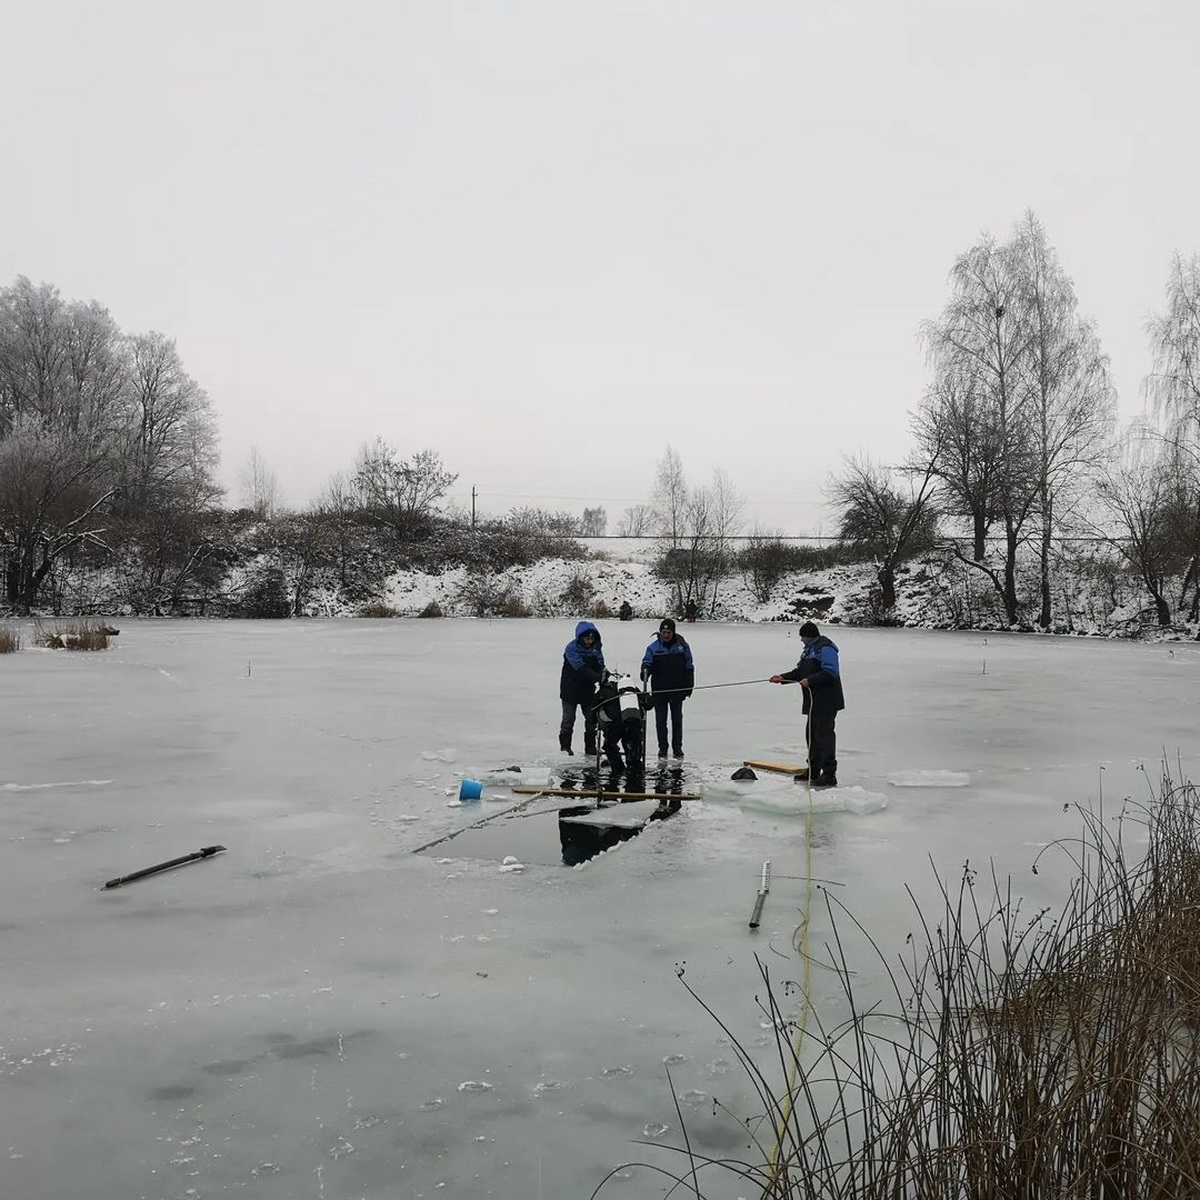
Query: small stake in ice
point(763, 888)
point(205, 852)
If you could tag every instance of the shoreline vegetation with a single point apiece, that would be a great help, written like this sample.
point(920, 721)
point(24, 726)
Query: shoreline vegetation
point(1018, 1054)
point(1093, 595)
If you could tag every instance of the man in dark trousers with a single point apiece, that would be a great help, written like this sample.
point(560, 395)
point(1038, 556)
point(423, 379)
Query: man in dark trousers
point(668, 665)
point(819, 673)
point(582, 670)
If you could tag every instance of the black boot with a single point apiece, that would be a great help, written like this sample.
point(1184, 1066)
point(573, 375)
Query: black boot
point(564, 744)
point(589, 746)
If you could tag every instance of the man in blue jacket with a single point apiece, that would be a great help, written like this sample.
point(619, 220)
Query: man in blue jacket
point(582, 670)
point(668, 665)
point(819, 673)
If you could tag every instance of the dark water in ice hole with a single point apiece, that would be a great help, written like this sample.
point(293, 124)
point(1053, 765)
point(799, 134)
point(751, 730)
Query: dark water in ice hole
point(543, 839)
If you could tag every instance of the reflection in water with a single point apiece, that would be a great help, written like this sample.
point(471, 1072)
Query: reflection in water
point(581, 842)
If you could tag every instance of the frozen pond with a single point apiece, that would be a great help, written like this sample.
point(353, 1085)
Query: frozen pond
point(319, 1012)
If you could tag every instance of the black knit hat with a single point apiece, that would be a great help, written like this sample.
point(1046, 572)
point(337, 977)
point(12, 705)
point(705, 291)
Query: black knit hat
point(666, 623)
point(808, 629)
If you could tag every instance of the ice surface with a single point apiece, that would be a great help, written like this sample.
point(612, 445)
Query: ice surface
point(297, 1016)
point(930, 779)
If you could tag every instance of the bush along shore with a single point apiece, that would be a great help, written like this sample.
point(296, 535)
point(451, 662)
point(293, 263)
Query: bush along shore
point(259, 573)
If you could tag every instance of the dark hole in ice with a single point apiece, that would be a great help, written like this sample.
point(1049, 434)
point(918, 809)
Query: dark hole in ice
point(540, 835)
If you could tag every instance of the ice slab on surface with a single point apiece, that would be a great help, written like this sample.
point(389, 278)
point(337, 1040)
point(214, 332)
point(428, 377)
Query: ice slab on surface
point(632, 815)
point(503, 777)
point(929, 779)
point(782, 797)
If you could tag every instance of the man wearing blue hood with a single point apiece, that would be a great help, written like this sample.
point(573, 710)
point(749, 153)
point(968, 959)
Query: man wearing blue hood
point(582, 670)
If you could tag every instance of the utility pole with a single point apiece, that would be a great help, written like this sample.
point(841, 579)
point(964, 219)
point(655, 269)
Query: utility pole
point(472, 506)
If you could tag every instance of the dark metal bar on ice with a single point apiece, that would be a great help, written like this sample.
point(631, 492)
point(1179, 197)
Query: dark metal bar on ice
point(204, 852)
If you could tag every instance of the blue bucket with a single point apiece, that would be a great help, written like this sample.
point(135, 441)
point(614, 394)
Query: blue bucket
point(470, 789)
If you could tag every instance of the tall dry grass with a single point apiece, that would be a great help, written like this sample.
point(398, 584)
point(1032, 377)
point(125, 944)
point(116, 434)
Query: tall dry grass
point(74, 635)
point(10, 640)
point(1051, 1057)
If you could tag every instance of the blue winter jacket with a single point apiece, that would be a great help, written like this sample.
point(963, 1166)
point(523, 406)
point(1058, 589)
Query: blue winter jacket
point(669, 667)
point(820, 665)
point(583, 666)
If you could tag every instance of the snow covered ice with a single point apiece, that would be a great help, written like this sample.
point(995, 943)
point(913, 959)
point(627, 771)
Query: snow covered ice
point(318, 1011)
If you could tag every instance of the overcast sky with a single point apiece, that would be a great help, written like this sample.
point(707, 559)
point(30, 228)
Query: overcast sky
point(549, 239)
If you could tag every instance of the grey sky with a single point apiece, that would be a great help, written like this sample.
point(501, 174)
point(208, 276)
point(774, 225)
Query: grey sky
point(549, 239)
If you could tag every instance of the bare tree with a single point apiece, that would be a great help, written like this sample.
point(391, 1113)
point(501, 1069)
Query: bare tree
point(1020, 409)
point(636, 521)
point(594, 522)
point(1150, 495)
point(1174, 388)
point(1071, 408)
point(33, 352)
point(690, 557)
point(958, 434)
point(695, 525)
point(978, 349)
point(670, 499)
point(764, 559)
point(53, 495)
point(881, 518)
point(260, 488)
point(98, 428)
point(400, 494)
point(61, 395)
point(337, 510)
point(172, 439)
point(726, 508)
point(1174, 384)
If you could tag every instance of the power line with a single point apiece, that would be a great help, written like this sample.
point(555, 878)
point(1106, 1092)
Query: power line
point(624, 499)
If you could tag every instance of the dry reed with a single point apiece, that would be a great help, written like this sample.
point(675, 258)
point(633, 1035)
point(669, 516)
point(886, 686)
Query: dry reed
point(75, 635)
point(1048, 1057)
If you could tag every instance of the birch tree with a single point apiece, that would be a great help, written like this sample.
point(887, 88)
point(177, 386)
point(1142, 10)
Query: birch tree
point(1174, 389)
point(260, 487)
point(1020, 406)
point(1071, 406)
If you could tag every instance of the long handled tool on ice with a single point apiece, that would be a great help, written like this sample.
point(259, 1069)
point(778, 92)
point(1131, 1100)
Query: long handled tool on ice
point(205, 852)
point(763, 888)
point(507, 812)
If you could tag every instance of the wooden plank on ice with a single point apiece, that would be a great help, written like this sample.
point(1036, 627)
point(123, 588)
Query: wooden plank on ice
point(780, 768)
point(591, 794)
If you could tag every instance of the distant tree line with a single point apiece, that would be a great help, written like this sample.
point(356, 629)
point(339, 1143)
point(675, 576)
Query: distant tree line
point(108, 451)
